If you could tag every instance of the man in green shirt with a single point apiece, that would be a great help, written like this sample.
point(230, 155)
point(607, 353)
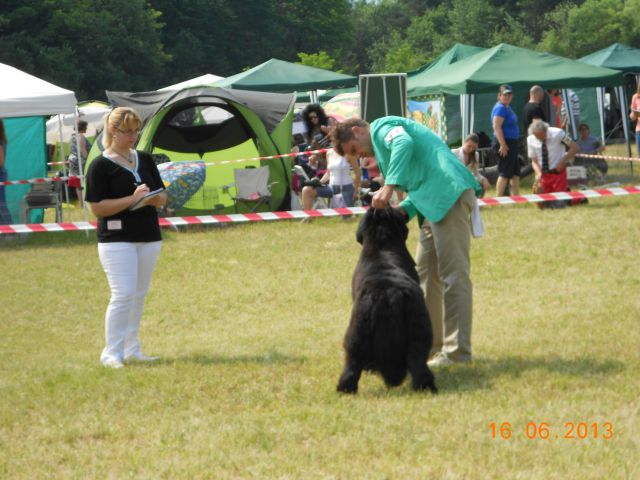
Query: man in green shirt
point(441, 191)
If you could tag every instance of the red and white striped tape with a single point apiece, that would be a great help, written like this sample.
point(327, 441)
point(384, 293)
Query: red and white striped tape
point(607, 157)
point(35, 180)
point(240, 160)
point(300, 214)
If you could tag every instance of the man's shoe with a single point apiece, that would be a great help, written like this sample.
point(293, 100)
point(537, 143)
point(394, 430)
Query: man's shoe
point(141, 358)
point(112, 363)
point(440, 359)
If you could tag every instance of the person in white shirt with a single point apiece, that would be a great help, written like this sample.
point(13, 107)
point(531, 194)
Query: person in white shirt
point(336, 180)
point(468, 155)
point(550, 148)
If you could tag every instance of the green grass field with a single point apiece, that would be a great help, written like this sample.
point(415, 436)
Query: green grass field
point(249, 319)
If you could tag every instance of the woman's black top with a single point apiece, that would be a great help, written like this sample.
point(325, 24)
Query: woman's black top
point(106, 179)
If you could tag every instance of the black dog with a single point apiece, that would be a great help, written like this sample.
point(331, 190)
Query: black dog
point(390, 329)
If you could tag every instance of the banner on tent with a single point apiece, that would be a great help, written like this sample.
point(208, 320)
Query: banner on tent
point(429, 111)
point(300, 214)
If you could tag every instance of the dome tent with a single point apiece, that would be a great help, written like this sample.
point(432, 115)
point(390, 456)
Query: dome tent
point(209, 124)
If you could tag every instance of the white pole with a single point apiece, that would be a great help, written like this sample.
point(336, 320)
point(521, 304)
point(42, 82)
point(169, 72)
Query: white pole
point(624, 113)
point(600, 92)
point(80, 166)
point(569, 111)
point(384, 93)
point(472, 112)
point(65, 168)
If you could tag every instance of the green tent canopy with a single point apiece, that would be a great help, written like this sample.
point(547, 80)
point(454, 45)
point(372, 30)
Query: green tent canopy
point(279, 76)
point(456, 53)
point(504, 63)
point(208, 124)
point(452, 115)
point(616, 56)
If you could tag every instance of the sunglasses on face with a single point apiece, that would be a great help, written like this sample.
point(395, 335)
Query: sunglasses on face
point(130, 133)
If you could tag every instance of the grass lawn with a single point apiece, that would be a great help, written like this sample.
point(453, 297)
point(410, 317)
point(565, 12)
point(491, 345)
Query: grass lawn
point(249, 319)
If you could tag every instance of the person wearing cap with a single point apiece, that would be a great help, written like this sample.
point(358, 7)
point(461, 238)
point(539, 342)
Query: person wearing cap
point(506, 134)
point(441, 192)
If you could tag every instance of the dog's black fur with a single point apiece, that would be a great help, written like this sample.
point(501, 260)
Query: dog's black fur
point(390, 329)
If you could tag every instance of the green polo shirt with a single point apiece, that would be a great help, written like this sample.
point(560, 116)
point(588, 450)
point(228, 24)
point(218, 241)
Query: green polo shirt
point(413, 158)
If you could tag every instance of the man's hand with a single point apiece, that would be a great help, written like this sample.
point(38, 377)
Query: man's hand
point(381, 197)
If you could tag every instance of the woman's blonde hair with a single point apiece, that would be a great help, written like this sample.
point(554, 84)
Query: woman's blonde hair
point(124, 118)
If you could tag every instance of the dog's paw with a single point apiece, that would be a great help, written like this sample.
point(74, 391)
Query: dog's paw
point(426, 383)
point(346, 387)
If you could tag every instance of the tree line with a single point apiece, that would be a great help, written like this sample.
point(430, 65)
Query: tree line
point(90, 46)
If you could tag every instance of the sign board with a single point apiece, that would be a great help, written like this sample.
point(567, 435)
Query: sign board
point(382, 95)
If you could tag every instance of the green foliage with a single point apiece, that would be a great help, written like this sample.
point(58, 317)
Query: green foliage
point(92, 45)
point(84, 45)
point(318, 60)
point(579, 30)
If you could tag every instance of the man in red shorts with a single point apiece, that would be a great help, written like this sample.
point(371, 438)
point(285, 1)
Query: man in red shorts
point(550, 148)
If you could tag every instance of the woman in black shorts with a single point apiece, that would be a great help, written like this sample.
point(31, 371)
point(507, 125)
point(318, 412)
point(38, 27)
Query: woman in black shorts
point(506, 134)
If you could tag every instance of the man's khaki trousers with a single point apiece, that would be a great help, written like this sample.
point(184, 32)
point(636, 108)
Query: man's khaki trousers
point(444, 268)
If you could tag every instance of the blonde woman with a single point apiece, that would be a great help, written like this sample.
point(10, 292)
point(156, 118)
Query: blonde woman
point(128, 240)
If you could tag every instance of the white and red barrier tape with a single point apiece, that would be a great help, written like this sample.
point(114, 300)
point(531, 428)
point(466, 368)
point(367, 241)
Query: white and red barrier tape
point(35, 180)
point(608, 157)
point(300, 214)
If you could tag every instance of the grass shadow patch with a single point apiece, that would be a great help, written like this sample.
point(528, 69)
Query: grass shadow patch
point(479, 374)
point(269, 358)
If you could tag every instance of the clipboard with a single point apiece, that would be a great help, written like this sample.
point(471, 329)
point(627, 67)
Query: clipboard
point(144, 200)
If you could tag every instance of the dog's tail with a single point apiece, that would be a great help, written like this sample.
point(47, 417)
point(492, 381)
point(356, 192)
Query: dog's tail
point(390, 343)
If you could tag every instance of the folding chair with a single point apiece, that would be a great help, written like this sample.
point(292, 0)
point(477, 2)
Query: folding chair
point(252, 188)
point(319, 202)
point(42, 195)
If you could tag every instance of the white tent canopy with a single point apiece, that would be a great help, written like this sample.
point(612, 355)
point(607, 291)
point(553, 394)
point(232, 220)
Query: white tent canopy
point(92, 114)
point(23, 95)
point(206, 79)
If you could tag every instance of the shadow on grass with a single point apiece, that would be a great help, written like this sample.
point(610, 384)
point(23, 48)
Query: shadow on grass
point(479, 374)
point(48, 239)
point(269, 358)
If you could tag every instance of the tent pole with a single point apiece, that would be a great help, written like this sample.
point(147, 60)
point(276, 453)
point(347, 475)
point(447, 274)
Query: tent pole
point(65, 167)
point(569, 111)
point(384, 93)
point(600, 92)
point(624, 113)
point(465, 114)
point(80, 166)
point(472, 112)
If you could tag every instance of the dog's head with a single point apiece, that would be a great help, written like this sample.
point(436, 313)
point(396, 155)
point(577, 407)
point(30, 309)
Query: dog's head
point(382, 226)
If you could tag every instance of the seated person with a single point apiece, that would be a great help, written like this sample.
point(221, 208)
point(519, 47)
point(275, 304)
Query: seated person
point(550, 148)
point(316, 124)
point(592, 146)
point(336, 179)
point(468, 154)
